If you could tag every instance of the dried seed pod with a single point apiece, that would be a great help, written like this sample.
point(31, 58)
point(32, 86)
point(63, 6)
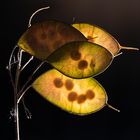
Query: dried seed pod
point(99, 36)
point(41, 39)
point(80, 59)
point(84, 97)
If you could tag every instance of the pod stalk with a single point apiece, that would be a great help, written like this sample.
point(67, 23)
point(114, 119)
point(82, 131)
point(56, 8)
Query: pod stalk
point(129, 48)
point(112, 107)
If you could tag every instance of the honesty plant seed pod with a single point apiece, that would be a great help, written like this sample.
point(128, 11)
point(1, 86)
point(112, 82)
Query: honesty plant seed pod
point(99, 36)
point(80, 59)
point(41, 39)
point(77, 96)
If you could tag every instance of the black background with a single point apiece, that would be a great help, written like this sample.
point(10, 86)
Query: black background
point(121, 18)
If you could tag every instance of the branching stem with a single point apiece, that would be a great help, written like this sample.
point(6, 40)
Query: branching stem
point(14, 77)
point(29, 79)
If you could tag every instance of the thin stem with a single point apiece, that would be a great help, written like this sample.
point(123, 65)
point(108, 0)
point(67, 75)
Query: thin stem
point(11, 56)
point(20, 59)
point(16, 109)
point(17, 122)
point(23, 93)
point(30, 20)
point(112, 107)
point(18, 94)
point(129, 48)
point(29, 79)
point(27, 112)
point(27, 63)
point(73, 19)
point(118, 54)
point(15, 62)
point(10, 64)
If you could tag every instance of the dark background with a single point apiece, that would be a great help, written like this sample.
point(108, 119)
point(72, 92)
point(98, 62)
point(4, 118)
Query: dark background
point(121, 18)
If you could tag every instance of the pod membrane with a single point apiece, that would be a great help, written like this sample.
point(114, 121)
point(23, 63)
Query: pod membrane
point(99, 36)
point(80, 59)
point(77, 96)
point(41, 39)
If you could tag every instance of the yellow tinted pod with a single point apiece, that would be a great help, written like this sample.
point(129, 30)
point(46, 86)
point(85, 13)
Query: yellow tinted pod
point(99, 36)
point(80, 59)
point(77, 96)
point(41, 39)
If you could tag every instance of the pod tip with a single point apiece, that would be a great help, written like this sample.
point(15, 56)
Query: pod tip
point(130, 48)
point(113, 107)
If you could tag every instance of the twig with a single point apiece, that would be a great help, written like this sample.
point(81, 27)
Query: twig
point(27, 112)
point(19, 93)
point(30, 20)
point(27, 63)
point(9, 66)
point(16, 109)
point(23, 94)
point(29, 79)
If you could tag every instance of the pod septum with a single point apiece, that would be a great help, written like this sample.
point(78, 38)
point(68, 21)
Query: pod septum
point(80, 59)
point(77, 96)
point(41, 39)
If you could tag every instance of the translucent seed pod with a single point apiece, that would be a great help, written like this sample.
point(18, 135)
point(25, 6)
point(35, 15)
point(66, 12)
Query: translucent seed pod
point(99, 36)
point(75, 96)
point(41, 39)
point(80, 59)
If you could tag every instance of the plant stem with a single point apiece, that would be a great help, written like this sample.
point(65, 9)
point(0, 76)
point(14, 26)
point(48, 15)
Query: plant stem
point(16, 109)
point(29, 79)
point(14, 73)
point(16, 117)
point(30, 20)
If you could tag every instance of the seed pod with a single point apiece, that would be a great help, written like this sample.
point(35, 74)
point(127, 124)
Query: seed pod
point(75, 96)
point(80, 59)
point(41, 39)
point(99, 36)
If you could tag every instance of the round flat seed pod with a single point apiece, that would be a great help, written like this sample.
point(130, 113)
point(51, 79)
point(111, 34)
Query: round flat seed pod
point(77, 96)
point(41, 39)
point(80, 59)
point(99, 36)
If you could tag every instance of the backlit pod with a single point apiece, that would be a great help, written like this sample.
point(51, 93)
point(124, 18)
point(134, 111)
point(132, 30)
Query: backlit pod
point(80, 59)
point(77, 96)
point(99, 36)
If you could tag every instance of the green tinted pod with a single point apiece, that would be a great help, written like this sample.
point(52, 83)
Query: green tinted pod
point(41, 39)
point(99, 36)
point(80, 59)
point(77, 96)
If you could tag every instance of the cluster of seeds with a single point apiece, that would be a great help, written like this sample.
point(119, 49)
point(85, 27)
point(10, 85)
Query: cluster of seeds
point(76, 56)
point(73, 95)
